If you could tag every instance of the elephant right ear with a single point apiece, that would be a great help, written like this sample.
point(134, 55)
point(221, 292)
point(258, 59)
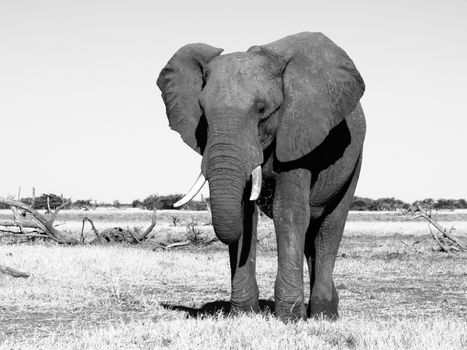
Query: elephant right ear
point(181, 82)
point(321, 88)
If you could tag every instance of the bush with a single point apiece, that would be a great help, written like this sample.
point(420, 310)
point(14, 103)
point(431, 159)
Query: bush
point(461, 204)
point(449, 204)
point(196, 205)
point(379, 204)
point(137, 204)
point(389, 204)
point(392, 203)
point(155, 201)
point(161, 202)
point(41, 201)
point(427, 203)
point(82, 203)
point(361, 204)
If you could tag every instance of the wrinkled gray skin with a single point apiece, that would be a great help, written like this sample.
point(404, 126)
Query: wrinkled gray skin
point(292, 107)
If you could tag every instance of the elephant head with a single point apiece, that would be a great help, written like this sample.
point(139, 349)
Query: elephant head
point(286, 95)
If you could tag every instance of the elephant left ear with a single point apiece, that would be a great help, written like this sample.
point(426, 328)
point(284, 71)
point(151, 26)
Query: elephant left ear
point(321, 88)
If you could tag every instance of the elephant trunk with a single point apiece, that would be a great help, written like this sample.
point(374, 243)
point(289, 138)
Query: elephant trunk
point(227, 177)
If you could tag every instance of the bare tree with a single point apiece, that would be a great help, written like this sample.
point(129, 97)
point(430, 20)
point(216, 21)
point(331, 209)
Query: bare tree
point(25, 216)
point(442, 236)
point(42, 225)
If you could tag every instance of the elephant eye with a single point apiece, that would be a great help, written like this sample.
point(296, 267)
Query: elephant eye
point(260, 107)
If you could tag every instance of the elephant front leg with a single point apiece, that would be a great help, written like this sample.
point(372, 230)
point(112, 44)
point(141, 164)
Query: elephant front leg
point(245, 294)
point(291, 218)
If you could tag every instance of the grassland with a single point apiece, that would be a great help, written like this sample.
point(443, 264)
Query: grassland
point(393, 294)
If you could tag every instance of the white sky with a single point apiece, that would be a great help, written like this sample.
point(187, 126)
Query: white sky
point(81, 115)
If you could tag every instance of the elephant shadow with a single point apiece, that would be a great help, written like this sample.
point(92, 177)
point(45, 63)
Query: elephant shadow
point(218, 307)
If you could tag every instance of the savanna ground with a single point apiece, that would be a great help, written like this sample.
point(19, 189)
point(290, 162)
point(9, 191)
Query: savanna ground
point(393, 294)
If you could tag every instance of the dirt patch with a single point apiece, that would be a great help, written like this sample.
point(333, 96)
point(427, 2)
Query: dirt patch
point(59, 322)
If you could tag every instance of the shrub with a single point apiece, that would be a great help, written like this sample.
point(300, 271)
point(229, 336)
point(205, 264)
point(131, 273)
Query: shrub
point(450, 204)
point(41, 201)
point(379, 204)
point(82, 203)
point(137, 204)
point(155, 201)
point(161, 202)
point(196, 205)
point(392, 203)
point(389, 204)
point(361, 204)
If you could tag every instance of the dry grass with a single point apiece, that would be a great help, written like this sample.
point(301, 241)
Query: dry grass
point(393, 295)
point(256, 332)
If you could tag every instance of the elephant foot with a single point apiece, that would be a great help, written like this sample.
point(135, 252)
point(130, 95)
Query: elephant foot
point(241, 308)
point(245, 299)
point(290, 312)
point(320, 308)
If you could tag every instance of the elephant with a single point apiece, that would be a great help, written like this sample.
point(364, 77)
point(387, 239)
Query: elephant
point(280, 127)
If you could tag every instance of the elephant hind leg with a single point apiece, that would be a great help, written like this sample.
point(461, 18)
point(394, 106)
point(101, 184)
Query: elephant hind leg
point(322, 243)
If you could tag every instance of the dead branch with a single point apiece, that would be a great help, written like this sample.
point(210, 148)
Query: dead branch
point(420, 240)
point(23, 224)
point(81, 237)
point(177, 244)
point(172, 245)
point(33, 201)
point(157, 245)
point(32, 234)
point(441, 245)
point(118, 234)
point(442, 230)
point(43, 223)
point(57, 209)
point(12, 272)
point(48, 205)
point(146, 233)
point(133, 235)
point(16, 214)
point(446, 242)
point(93, 227)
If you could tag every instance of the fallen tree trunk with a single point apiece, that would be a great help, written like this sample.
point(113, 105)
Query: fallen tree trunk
point(43, 223)
point(12, 272)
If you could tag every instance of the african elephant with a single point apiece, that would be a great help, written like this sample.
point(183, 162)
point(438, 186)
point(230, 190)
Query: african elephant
point(283, 120)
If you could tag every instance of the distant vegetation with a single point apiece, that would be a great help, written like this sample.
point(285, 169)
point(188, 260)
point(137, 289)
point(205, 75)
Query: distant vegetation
point(392, 203)
point(156, 201)
point(40, 202)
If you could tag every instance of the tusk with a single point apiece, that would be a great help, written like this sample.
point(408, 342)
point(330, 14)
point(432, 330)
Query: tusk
point(200, 181)
point(256, 183)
